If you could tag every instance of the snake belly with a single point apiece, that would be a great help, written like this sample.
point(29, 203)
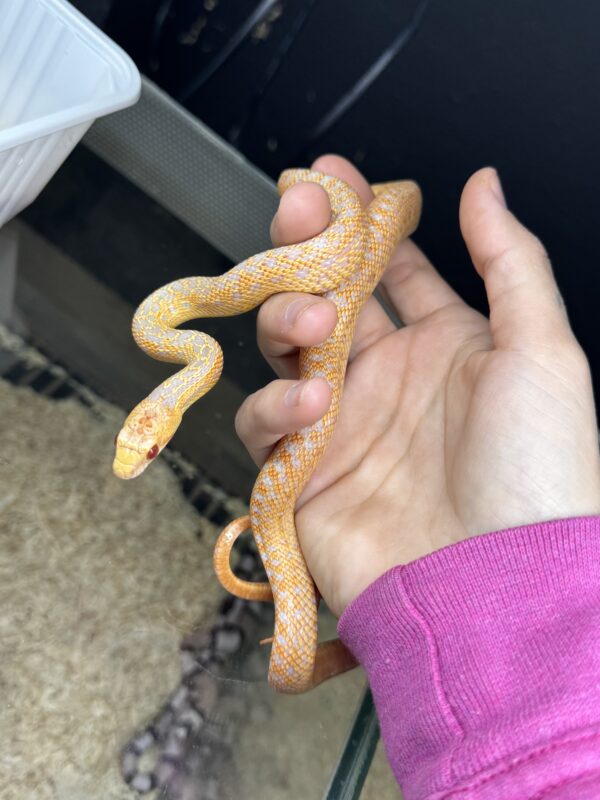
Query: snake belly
point(344, 264)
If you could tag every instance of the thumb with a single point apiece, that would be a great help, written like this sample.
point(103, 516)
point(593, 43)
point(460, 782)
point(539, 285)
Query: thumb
point(526, 309)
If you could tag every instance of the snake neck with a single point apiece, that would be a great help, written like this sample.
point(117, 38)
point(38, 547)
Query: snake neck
point(183, 389)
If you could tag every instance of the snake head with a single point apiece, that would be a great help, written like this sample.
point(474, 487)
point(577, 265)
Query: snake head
point(148, 428)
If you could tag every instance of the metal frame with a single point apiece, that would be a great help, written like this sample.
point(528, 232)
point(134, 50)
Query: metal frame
point(183, 165)
point(9, 253)
point(357, 754)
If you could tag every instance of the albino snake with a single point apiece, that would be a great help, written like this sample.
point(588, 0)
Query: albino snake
point(344, 264)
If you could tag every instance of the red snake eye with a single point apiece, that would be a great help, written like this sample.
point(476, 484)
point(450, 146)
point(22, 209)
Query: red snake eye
point(152, 453)
point(116, 437)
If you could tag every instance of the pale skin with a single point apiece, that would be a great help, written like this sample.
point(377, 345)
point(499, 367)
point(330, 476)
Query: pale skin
point(452, 426)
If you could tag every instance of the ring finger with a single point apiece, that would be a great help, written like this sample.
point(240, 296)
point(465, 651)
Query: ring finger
point(281, 407)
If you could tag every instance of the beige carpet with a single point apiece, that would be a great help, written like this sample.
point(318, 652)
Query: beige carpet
point(99, 580)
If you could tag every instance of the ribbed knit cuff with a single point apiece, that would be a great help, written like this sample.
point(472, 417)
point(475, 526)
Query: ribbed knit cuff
point(482, 652)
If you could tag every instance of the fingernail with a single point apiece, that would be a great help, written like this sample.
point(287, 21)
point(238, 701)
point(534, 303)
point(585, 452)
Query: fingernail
point(293, 396)
point(496, 188)
point(294, 310)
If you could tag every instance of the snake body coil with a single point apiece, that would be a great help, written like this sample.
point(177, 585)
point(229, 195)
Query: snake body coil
point(344, 264)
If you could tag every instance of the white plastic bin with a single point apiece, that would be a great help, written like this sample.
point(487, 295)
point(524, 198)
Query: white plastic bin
point(58, 73)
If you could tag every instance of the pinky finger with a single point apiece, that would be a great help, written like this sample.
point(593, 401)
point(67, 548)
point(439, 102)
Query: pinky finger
point(280, 408)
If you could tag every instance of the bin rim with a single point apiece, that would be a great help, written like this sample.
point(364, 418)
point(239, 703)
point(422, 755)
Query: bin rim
point(125, 91)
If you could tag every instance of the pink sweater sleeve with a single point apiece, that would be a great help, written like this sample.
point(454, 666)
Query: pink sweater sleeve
point(484, 662)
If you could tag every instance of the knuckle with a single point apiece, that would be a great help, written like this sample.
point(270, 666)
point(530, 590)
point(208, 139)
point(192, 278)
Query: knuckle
point(538, 248)
point(567, 351)
point(265, 314)
point(258, 404)
point(240, 419)
point(502, 262)
point(271, 318)
point(250, 414)
point(274, 230)
point(267, 333)
point(578, 360)
point(258, 412)
point(529, 255)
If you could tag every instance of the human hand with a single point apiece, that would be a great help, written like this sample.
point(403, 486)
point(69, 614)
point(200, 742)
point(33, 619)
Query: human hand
point(453, 426)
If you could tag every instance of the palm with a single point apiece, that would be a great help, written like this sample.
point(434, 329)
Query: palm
point(434, 444)
point(453, 426)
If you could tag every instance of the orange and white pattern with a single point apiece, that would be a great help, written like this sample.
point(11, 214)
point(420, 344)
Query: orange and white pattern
point(344, 264)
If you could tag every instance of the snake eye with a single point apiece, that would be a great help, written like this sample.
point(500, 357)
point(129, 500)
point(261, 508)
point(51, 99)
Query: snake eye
point(152, 453)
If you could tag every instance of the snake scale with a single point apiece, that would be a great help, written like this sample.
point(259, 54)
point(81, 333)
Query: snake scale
point(344, 263)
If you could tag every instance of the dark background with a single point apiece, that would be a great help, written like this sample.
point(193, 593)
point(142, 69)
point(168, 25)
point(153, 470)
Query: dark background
point(469, 83)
